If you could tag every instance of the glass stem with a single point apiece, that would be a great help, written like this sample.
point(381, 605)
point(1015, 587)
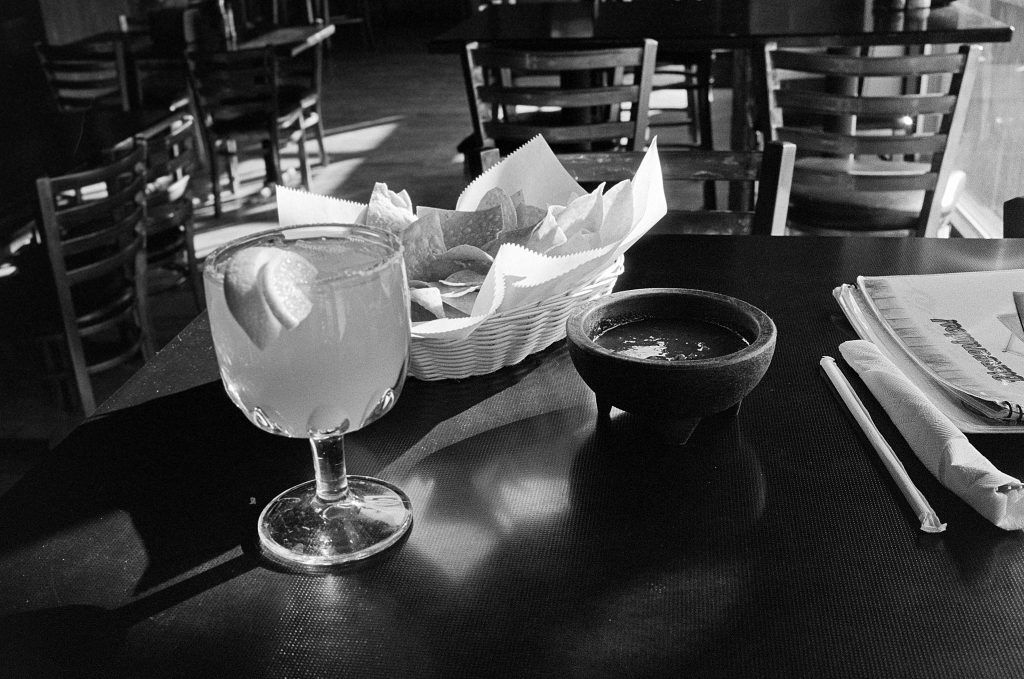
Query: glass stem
point(329, 463)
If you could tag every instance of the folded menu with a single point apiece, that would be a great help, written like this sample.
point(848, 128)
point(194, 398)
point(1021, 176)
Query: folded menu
point(523, 232)
point(936, 441)
point(957, 336)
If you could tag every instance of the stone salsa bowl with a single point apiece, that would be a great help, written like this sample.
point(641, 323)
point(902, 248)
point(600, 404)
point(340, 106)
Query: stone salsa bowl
point(680, 392)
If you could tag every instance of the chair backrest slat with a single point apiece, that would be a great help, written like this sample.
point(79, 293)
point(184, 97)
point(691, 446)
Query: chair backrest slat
point(591, 96)
point(83, 77)
point(832, 142)
point(856, 66)
point(890, 106)
point(236, 83)
point(105, 264)
point(115, 196)
point(562, 134)
point(593, 99)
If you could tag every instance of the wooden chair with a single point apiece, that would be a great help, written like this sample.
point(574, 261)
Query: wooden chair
point(239, 96)
point(578, 100)
point(86, 76)
point(83, 291)
point(771, 171)
point(302, 80)
point(874, 135)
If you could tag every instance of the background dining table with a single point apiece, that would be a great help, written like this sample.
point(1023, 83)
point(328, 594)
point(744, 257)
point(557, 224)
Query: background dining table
point(683, 25)
point(739, 26)
point(773, 543)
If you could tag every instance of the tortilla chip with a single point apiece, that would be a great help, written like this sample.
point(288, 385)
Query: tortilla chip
point(527, 216)
point(470, 257)
point(520, 236)
point(423, 244)
point(468, 228)
point(389, 210)
point(498, 197)
point(426, 299)
point(464, 278)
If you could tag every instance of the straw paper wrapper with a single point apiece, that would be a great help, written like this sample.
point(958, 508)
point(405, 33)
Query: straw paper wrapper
point(587, 239)
point(936, 441)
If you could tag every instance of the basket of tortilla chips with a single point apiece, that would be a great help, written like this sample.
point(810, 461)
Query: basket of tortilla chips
point(494, 280)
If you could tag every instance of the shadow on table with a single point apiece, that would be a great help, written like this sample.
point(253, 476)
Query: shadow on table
point(81, 640)
point(188, 475)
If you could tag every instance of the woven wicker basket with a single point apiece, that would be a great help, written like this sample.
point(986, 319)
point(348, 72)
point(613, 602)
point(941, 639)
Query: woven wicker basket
point(507, 338)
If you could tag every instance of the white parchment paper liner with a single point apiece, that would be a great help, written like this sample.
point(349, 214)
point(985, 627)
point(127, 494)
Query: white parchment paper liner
point(519, 276)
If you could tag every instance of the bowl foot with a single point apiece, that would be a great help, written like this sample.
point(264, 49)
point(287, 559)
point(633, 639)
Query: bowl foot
point(675, 430)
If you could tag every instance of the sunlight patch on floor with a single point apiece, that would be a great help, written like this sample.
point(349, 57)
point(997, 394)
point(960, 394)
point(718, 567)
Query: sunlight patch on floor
point(328, 181)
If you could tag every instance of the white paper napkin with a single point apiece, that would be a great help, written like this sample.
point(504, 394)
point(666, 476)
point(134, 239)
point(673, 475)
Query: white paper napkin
point(936, 441)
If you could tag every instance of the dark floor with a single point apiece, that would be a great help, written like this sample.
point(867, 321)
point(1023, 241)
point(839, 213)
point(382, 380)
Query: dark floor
point(393, 115)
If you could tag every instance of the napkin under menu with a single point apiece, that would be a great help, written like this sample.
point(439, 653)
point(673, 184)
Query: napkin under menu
point(936, 441)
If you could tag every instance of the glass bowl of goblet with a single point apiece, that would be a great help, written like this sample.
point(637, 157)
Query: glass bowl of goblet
point(310, 325)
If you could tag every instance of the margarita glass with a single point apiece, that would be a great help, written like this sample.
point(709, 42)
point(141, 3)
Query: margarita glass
point(311, 329)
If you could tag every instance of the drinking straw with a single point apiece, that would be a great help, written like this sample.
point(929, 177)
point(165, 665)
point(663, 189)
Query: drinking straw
point(929, 521)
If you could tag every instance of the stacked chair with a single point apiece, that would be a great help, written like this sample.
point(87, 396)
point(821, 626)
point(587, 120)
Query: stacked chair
point(81, 295)
point(241, 95)
point(172, 160)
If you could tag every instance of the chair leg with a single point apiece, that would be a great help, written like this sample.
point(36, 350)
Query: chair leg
point(702, 110)
point(303, 157)
point(368, 34)
point(272, 155)
point(142, 305)
point(195, 276)
point(233, 171)
point(214, 159)
point(325, 159)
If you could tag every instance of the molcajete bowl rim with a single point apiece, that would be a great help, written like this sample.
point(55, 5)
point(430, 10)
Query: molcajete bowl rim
point(576, 334)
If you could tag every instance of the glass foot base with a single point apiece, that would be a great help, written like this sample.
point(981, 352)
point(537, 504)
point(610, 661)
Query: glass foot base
point(297, 528)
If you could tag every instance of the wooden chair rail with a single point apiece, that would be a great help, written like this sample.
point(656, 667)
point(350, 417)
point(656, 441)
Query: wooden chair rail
point(853, 66)
point(833, 142)
point(575, 98)
point(560, 61)
point(841, 104)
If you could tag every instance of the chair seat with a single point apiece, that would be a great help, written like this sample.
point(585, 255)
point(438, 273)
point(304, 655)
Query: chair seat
point(842, 208)
point(251, 123)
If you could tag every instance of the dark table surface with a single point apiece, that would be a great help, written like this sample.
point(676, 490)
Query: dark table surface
point(772, 544)
point(722, 24)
